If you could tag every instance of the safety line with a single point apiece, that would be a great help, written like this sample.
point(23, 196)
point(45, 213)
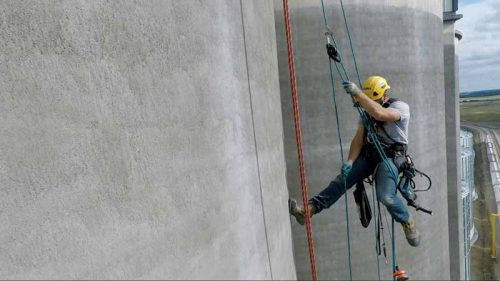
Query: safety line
point(298, 137)
point(341, 150)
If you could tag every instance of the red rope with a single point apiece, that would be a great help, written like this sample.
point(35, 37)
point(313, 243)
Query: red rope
point(298, 138)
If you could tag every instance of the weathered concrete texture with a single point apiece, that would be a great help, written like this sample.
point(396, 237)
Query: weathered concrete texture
point(141, 139)
point(403, 41)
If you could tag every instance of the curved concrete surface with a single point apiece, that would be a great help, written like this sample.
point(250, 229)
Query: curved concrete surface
point(141, 139)
point(401, 40)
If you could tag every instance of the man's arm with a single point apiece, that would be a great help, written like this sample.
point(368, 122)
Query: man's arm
point(356, 144)
point(373, 108)
point(376, 110)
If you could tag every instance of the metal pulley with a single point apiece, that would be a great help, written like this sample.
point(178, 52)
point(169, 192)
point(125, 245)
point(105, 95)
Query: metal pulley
point(332, 51)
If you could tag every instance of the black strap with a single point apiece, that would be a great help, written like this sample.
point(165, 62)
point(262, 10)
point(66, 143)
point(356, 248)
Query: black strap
point(389, 102)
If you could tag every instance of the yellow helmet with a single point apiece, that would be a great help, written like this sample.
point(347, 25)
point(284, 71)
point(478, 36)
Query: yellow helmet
point(375, 87)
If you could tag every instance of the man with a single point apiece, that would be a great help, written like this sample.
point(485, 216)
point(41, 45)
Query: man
point(391, 118)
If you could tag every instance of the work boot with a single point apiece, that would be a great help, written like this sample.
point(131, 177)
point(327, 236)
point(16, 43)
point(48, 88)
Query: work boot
point(299, 212)
point(411, 232)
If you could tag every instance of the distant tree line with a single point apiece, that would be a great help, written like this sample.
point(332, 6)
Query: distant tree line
point(484, 93)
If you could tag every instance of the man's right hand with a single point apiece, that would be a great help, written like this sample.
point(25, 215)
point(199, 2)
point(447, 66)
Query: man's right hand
point(351, 88)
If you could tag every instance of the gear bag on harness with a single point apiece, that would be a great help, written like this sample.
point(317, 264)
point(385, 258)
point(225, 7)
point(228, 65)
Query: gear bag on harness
point(363, 203)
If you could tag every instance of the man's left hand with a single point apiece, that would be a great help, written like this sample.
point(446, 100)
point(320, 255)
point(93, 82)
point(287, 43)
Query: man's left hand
point(345, 170)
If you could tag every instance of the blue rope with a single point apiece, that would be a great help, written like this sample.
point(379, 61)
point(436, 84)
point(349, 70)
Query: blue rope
point(345, 178)
point(350, 41)
point(341, 151)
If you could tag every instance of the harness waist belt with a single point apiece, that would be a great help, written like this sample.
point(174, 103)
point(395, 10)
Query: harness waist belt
point(399, 147)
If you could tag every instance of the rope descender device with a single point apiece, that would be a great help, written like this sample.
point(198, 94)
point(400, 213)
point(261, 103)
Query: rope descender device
point(332, 51)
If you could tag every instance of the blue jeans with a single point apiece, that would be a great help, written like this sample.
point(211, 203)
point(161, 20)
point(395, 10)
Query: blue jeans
point(385, 185)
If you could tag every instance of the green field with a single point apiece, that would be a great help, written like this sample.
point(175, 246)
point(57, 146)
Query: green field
point(481, 111)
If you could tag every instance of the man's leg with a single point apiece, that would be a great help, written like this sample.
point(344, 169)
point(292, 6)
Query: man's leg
point(360, 170)
point(386, 185)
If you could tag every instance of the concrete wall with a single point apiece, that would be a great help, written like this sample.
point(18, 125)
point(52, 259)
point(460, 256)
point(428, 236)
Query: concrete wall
point(141, 139)
point(455, 202)
point(403, 41)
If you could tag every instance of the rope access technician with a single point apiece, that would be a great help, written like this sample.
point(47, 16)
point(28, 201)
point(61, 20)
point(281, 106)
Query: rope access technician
point(391, 117)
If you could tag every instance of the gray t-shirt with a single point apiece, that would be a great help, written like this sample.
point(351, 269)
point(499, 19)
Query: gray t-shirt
point(397, 130)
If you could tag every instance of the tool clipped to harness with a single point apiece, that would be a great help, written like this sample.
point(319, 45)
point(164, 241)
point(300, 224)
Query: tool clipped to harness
point(332, 51)
point(406, 185)
point(361, 199)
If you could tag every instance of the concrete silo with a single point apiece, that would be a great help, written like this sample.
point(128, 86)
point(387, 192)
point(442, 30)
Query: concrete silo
point(402, 41)
point(141, 140)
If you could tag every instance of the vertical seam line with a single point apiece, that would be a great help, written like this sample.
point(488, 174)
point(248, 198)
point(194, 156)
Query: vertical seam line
point(255, 140)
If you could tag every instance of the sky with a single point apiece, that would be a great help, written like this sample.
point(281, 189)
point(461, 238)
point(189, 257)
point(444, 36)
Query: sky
point(479, 49)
